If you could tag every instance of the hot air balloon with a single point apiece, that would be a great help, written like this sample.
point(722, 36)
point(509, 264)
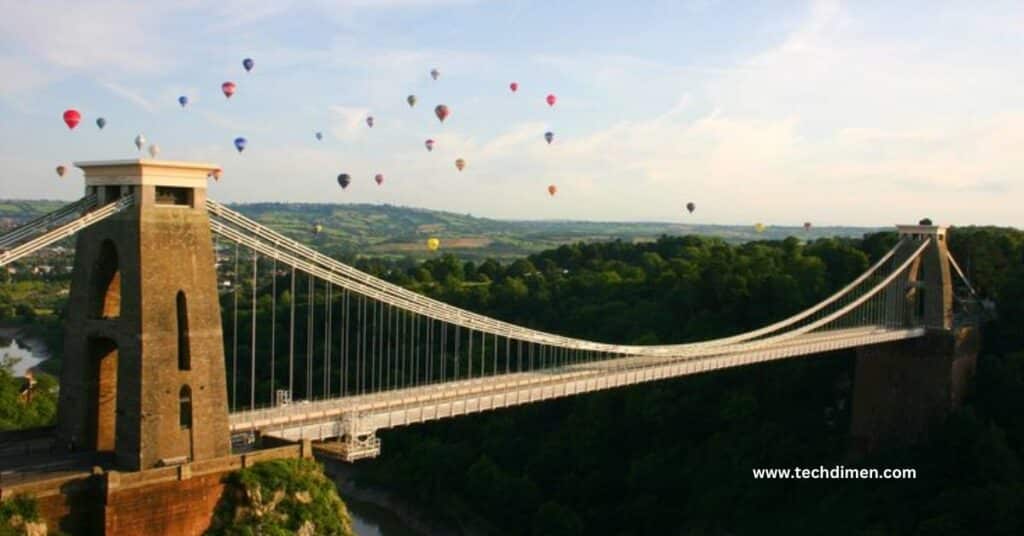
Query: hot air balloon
point(228, 88)
point(514, 86)
point(183, 100)
point(154, 150)
point(807, 226)
point(317, 228)
point(551, 98)
point(100, 122)
point(759, 227)
point(433, 244)
point(319, 136)
point(460, 163)
point(549, 136)
point(240, 143)
point(441, 111)
point(552, 190)
point(248, 63)
point(429, 144)
point(691, 207)
point(61, 170)
point(379, 178)
point(369, 121)
point(216, 173)
point(344, 180)
point(434, 73)
point(411, 99)
point(140, 140)
point(71, 118)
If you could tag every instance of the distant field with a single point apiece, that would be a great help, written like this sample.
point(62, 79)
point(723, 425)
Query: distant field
point(387, 230)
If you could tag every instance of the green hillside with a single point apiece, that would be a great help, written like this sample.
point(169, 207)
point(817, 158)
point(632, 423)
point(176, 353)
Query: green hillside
point(391, 231)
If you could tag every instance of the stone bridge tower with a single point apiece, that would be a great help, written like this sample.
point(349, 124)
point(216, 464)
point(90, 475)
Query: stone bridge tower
point(903, 389)
point(143, 373)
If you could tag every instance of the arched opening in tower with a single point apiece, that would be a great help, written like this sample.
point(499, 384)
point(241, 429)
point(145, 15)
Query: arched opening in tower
point(107, 283)
point(103, 357)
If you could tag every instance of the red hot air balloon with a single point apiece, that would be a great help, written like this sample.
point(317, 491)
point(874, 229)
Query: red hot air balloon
point(441, 111)
point(551, 98)
point(216, 174)
point(514, 86)
point(429, 144)
point(228, 88)
point(552, 190)
point(72, 118)
point(379, 179)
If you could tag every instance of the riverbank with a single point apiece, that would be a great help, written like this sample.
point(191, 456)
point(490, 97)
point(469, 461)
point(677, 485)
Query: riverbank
point(416, 522)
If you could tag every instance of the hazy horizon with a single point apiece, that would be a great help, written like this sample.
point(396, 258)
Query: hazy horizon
point(838, 113)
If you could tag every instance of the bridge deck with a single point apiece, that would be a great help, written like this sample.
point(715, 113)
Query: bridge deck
point(364, 414)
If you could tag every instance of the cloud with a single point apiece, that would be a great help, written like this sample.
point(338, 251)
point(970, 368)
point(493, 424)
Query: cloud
point(20, 75)
point(129, 95)
point(77, 36)
point(347, 122)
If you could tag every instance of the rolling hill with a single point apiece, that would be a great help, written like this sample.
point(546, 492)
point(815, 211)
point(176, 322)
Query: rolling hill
point(393, 231)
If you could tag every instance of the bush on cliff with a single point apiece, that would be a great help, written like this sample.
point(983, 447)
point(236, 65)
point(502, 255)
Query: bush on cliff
point(19, 516)
point(281, 497)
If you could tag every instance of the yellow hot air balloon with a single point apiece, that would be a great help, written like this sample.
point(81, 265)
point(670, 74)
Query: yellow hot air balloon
point(759, 227)
point(433, 244)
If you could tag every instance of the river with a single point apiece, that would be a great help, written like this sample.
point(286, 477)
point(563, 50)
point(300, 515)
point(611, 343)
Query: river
point(372, 520)
point(27, 357)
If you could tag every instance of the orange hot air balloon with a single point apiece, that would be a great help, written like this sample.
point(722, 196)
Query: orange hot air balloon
point(228, 88)
point(551, 99)
point(552, 190)
point(460, 163)
point(441, 111)
point(216, 174)
point(72, 118)
point(61, 170)
point(379, 179)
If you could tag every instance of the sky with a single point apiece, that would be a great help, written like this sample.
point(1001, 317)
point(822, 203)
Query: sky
point(840, 113)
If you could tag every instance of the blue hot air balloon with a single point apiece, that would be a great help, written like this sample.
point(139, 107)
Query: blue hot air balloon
point(319, 136)
point(100, 122)
point(182, 100)
point(248, 63)
point(240, 143)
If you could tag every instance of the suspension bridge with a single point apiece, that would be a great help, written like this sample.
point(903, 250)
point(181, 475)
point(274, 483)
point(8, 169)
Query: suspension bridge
point(170, 286)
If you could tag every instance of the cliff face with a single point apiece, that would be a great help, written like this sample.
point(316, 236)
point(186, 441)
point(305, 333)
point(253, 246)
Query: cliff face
point(281, 496)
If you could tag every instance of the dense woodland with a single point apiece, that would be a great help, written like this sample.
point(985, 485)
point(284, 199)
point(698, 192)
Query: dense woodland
point(675, 457)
